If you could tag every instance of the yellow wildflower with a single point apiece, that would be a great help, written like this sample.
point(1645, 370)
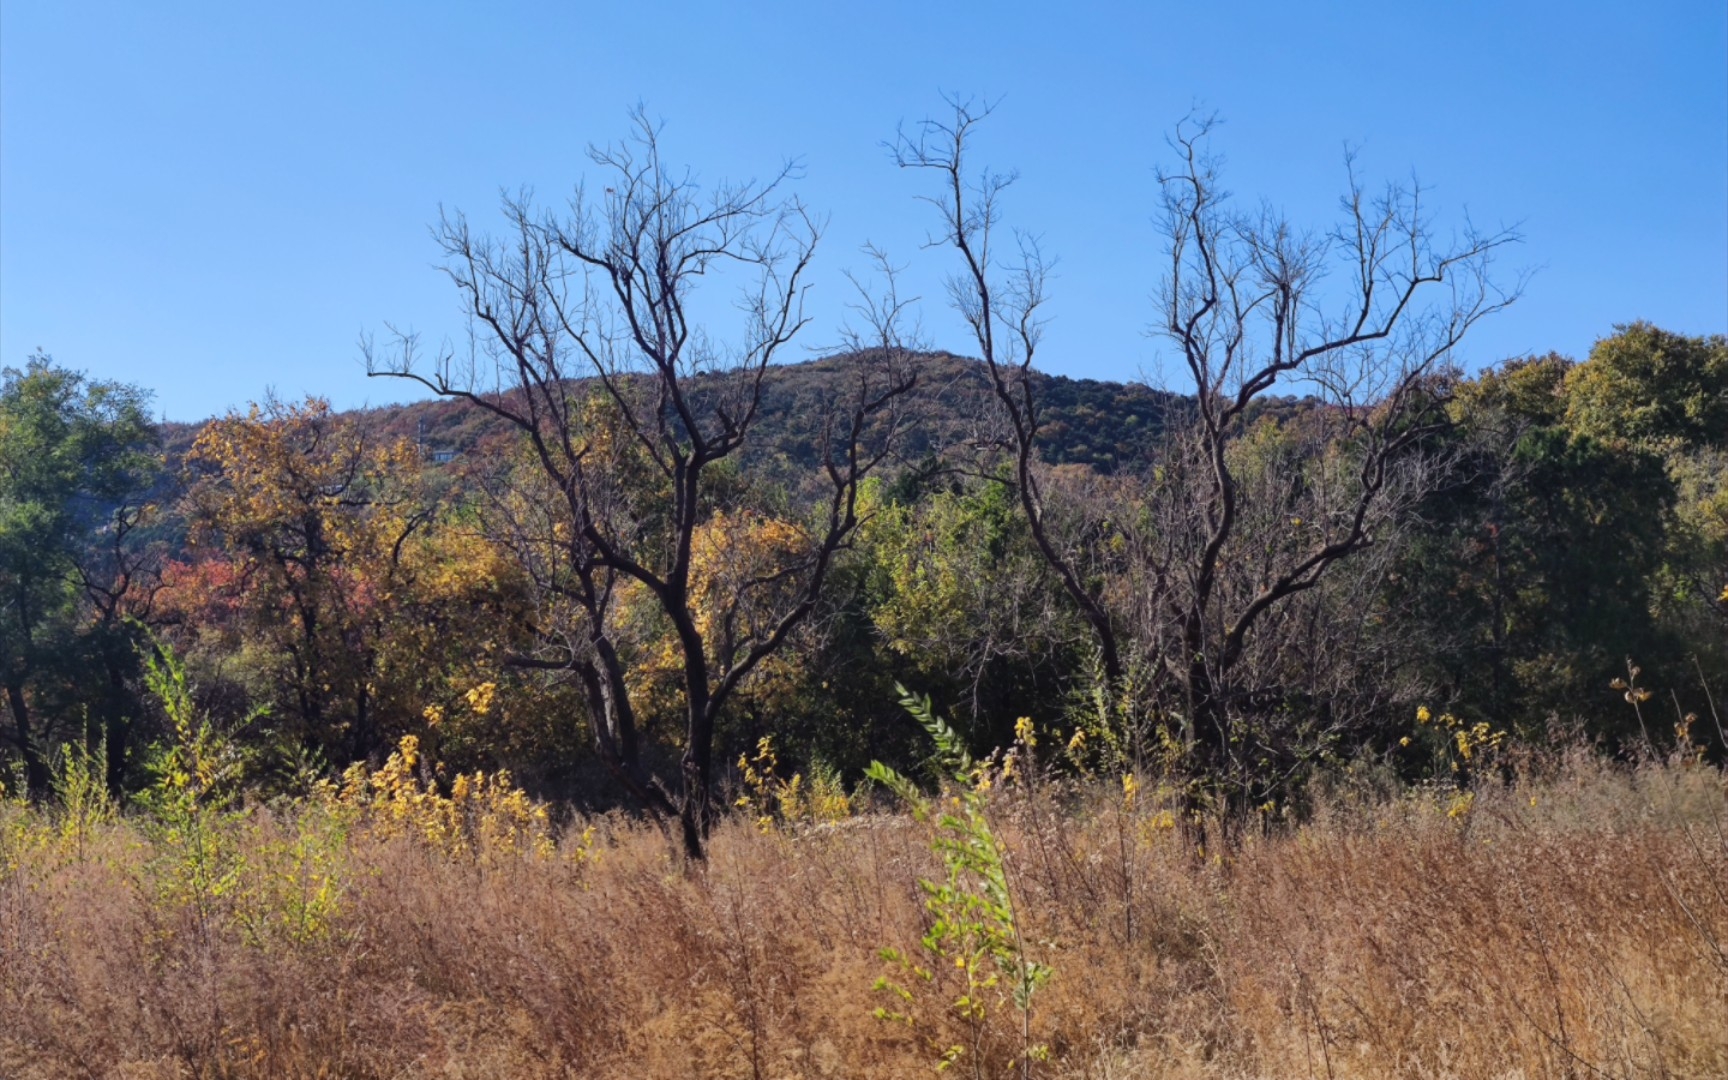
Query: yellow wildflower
point(1023, 732)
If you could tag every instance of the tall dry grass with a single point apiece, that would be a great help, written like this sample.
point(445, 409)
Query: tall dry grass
point(1573, 925)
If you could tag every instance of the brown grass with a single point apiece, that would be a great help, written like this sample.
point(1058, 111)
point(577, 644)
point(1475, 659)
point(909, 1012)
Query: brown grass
point(1573, 926)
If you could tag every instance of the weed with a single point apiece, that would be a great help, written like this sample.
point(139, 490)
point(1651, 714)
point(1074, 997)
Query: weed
point(974, 935)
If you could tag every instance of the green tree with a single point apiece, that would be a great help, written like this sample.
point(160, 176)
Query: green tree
point(962, 604)
point(73, 450)
point(1649, 386)
point(1536, 570)
point(1650, 391)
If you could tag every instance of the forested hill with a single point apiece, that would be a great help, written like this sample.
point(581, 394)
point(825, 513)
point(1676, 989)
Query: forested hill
point(1100, 424)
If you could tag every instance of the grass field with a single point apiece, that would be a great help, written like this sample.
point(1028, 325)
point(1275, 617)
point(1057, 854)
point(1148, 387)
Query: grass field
point(1572, 923)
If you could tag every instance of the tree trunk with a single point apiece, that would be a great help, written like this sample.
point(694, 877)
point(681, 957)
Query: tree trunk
point(117, 731)
point(37, 782)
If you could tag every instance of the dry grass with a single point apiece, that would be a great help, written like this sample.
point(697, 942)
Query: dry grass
point(1574, 926)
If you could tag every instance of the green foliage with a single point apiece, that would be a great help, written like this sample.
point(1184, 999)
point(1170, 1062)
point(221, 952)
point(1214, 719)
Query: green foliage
point(72, 450)
point(1532, 390)
point(1536, 573)
point(1693, 589)
point(291, 887)
point(196, 775)
point(1647, 386)
point(1580, 514)
point(961, 603)
point(974, 938)
point(81, 791)
point(274, 881)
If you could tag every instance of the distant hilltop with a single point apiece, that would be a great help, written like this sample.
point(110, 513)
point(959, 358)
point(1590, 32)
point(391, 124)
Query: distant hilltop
point(1099, 424)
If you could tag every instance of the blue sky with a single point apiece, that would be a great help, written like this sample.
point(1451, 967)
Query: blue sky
point(215, 199)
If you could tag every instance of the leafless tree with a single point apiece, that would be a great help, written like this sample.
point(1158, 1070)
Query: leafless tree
point(1001, 297)
point(584, 337)
point(1362, 321)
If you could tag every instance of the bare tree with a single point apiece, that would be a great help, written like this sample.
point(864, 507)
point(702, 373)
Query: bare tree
point(1001, 297)
point(583, 338)
point(1362, 320)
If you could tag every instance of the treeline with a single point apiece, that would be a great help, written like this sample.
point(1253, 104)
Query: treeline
point(627, 545)
point(332, 589)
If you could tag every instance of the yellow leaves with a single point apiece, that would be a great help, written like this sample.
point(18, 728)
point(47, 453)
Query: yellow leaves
point(1465, 742)
point(1634, 694)
point(1464, 745)
point(1683, 730)
point(330, 564)
point(485, 816)
point(480, 698)
point(739, 588)
point(735, 559)
point(306, 486)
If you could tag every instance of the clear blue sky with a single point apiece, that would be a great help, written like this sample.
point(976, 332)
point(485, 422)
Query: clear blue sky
point(214, 199)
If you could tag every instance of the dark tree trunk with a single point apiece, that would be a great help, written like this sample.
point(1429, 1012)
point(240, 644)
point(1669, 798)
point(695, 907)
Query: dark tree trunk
point(37, 781)
point(117, 730)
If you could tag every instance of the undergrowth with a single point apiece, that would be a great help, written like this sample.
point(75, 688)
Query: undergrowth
point(1563, 916)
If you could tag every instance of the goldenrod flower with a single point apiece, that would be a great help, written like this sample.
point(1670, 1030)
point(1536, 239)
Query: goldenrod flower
point(1023, 732)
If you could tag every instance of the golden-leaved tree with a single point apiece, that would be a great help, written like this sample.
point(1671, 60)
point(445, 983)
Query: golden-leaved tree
point(359, 603)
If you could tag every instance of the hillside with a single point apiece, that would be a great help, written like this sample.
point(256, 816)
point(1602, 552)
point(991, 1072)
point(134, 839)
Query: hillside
point(1100, 424)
